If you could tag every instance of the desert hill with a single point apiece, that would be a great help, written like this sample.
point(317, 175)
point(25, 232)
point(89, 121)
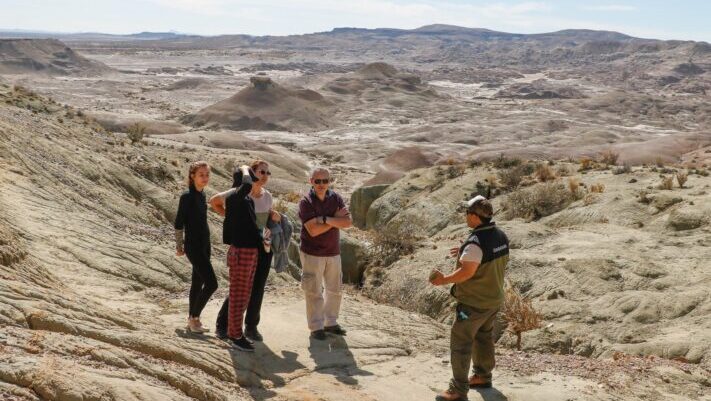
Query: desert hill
point(45, 56)
point(266, 105)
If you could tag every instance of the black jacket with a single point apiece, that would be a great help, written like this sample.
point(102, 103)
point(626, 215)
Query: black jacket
point(192, 217)
point(240, 226)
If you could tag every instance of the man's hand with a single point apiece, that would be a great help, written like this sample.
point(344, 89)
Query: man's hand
point(342, 212)
point(437, 277)
point(179, 252)
point(454, 252)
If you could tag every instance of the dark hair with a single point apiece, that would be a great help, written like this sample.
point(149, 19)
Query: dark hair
point(483, 209)
point(195, 166)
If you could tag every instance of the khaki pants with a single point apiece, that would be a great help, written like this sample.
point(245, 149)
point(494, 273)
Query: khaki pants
point(473, 328)
point(319, 272)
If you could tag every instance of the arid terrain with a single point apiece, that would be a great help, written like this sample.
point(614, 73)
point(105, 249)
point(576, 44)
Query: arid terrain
point(594, 146)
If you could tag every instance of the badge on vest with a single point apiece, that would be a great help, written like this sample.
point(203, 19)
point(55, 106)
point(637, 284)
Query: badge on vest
point(462, 315)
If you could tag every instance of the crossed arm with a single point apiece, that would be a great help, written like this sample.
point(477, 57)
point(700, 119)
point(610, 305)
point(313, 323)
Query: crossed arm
point(316, 226)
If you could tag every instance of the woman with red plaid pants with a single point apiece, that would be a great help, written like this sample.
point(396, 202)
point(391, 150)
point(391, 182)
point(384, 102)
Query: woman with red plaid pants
point(241, 232)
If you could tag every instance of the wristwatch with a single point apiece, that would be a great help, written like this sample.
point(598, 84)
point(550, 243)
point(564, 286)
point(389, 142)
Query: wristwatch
point(324, 219)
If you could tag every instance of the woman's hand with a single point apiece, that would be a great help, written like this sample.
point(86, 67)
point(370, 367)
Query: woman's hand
point(179, 252)
point(267, 234)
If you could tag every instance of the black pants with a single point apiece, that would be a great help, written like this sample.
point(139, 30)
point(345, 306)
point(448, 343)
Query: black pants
point(204, 281)
point(253, 315)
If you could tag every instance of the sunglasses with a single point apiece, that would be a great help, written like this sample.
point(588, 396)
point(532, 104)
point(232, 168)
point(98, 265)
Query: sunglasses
point(319, 181)
point(264, 172)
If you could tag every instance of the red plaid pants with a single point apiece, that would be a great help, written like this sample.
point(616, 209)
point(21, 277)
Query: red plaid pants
point(242, 263)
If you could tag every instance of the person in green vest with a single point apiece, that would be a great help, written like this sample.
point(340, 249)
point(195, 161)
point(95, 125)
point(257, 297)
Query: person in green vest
point(479, 290)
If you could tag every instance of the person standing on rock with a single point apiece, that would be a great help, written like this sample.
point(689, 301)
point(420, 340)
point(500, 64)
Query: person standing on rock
point(479, 291)
point(192, 235)
point(323, 213)
point(262, 199)
point(244, 236)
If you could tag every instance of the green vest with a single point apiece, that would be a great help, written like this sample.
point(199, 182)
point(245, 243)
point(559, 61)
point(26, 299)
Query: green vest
point(485, 290)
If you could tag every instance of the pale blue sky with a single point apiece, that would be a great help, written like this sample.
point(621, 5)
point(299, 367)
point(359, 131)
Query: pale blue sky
point(680, 19)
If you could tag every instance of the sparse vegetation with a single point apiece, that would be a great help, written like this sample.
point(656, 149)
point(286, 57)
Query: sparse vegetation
point(511, 177)
point(574, 188)
point(544, 172)
point(667, 183)
point(681, 178)
point(609, 157)
point(454, 171)
point(519, 313)
point(537, 201)
point(292, 197)
point(281, 206)
point(395, 240)
point(135, 133)
point(624, 169)
point(586, 164)
point(597, 188)
point(502, 162)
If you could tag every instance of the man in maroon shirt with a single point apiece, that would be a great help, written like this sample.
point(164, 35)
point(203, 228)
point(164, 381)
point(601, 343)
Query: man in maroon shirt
point(323, 213)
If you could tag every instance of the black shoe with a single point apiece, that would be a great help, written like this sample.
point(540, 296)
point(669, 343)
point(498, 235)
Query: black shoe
point(253, 334)
point(242, 344)
point(318, 335)
point(221, 334)
point(337, 330)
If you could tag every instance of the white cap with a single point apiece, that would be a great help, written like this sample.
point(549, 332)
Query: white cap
point(474, 200)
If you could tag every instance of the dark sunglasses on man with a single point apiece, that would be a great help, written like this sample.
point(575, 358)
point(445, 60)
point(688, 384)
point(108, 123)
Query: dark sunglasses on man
point(319, 181)
point(264, 172)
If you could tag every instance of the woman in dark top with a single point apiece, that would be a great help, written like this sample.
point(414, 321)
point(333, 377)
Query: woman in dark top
point(244, 236)
point(192, 235)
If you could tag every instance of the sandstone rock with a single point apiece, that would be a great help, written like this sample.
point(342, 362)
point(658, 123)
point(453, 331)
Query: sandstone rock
point(686, 220)
point(361, 199)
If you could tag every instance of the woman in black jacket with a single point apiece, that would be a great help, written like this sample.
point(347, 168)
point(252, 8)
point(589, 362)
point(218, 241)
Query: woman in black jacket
point(192, 235)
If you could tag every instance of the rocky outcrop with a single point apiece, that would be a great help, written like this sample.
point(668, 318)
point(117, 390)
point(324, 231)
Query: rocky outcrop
point(361, 199)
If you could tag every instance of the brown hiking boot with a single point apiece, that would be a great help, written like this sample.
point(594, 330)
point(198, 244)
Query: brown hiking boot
point(450, 395)
point(477, 381)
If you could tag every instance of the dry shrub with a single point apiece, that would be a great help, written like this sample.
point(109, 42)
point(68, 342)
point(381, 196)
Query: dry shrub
point(502, 162)
point(519, 314)
point(395, 240)
point(135, 132)
point(574, 188)
point(454, 171)
point(667, 183)
point(512, 176)
point(492, 180)
point(659, 162)
point(292, 197)
point(681, 178)
point(609, 157)
point(537, 201)
point(624, 169)
point(591, 198)
point(544, 173)
point(597, 188)
point(281, 206)
point(562, 171)
point(586, 164)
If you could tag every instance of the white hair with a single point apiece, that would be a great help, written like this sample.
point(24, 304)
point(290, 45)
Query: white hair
point(319, 170)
